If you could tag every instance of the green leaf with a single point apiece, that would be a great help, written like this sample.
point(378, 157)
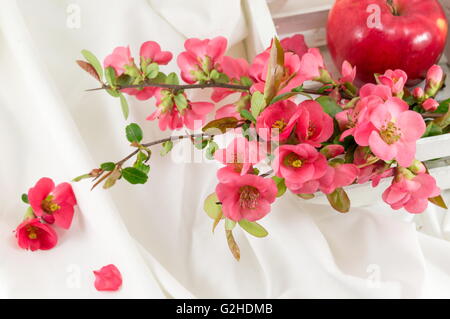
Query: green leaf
point(181, 101)
point(444, 120)
point(247, 115)
point(25, 198)
point(200, 143)
point(245, 80)
point(329, 105)
point(258, 104)
point(113, 93)
point(110, 75)
point(211, 207)
point(229, 224)
point(281, 186)
point(432, 130)
point(172, 78)
point(142, 167)
point(124, 105)
point(92, 59)
point(219, 77)
point(134, 175)
point(81, 177)
point(212, 148)
point(160, 78)
point(134, 133)
point(108, 166)
point(275, 71)
point(253, 228)
point(339, 200)
point(443, 106)
point(152, 70)
point(222, 124)
point(283, 97)
point(167, 147)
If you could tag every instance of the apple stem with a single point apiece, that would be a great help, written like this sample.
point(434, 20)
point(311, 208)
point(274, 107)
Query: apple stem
point(392, 7)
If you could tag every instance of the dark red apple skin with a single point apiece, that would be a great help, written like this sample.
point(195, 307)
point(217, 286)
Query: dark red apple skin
point(412, 41)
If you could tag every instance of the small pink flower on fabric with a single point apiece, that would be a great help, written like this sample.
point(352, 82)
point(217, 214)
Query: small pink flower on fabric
point(241, 154)
point(298, 165)
point(395, 80)
point(200, 58)
point(108, 278)
point(411, 192)
point(430, 105)
point(348, 73)
point(54, 204)
point(119, 59)
point(245, 196)
point(32, 234)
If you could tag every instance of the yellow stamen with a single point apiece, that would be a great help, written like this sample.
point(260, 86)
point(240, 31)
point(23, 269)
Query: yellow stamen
point(292, 160)
point(390, 133)
point(280, 124)
point(49, 206)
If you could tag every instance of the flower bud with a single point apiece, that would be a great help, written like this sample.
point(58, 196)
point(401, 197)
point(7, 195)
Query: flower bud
point(417, 167)
point(418, 93)
point(435, 80)
point(430, 105)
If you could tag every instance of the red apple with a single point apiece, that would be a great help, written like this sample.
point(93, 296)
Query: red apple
point(376, 35)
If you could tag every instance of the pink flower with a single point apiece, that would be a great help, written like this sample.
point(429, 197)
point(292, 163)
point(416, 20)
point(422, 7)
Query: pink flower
point(418, 93)
point(119, 59)
point(370, 172)
point(245, 197)
point(348, 73)
point(278, 120)
point(170, 116)
point(311, 64)
point(241, 154)
point(350, 119)
point(53, 204)
point(235, 69)
point(392, 132)
point(150, 52)
point(33, 235)
point(300, 165)
point(108, 278)
point(295, 44)
point(332, 150)
point(200, 57)
point(411, 193)
point(435, 75)
point(395, 80)
point(379, 90)
point(338, 175)
point(314, 126)
point(292, 78)
point(430, 105)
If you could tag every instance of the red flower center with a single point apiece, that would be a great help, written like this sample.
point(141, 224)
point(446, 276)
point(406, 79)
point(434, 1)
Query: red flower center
point(32, 232)
point(49, 206)
point(248, 197)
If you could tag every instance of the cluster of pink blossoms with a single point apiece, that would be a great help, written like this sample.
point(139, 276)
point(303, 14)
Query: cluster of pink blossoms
point(49, 205)
point(317, 145)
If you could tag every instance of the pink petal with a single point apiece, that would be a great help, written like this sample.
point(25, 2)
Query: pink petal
point(405, 153)
point(412, 126)
point(39, 192)
point(108, 278)
point(64, 215)
point(380, 148)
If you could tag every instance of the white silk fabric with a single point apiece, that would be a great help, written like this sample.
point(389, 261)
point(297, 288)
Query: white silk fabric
point(157, 234)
